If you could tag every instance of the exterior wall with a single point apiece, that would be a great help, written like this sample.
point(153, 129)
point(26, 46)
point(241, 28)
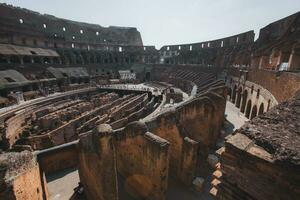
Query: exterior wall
point(142, 160)
point(33, 26)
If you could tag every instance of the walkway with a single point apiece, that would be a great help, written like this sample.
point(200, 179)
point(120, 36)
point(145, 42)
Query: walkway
point(234, 117)
point(61, 184)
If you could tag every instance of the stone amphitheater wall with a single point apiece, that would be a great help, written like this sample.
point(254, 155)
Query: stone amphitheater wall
point(142, 160)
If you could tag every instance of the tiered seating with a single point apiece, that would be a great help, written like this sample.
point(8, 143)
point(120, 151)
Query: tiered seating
point(187, 79)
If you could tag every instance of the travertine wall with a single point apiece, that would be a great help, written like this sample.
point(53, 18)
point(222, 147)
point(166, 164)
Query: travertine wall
point(140, 157)
point(20, 177)
point(97, 164)
point(191, 128)
point(142, 160)
point(261, 159)
point(58, 158)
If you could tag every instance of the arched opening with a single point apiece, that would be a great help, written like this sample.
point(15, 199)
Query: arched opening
point(37, 60)
point(85, 58)
point(269, 104)
point(56, 60)
point(148, 76)
point(3, 59)
point(26, 59)
point(78, 58)
point(248, 110)
point(229, 92)
point(64, 60)
point(15, 60)
point(254, 112)
point(98, 59)
point(261, 109)
point(110, 58)
point(46, 60)
point(239, 97)
point(245, 96)
point(234, 94)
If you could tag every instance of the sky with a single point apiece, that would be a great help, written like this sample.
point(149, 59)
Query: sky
point(167, 22)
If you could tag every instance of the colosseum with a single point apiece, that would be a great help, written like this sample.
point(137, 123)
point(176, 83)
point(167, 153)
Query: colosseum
point(88, 112)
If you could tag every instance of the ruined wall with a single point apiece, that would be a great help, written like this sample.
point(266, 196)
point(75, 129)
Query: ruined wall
point(20, 177)
point(13, 126)
point(140, 157)
point(58, 158)
point(142, 160)
point(97, 164)
point(190, 128)
point(45, 26)
point(261, 159)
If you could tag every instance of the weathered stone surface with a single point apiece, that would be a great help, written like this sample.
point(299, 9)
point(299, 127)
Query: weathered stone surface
point(97, 164)
point(144, 164)
point(278, 131)
point(198, 184)
point(261, 160)
point(212, 160)
point(20, 177)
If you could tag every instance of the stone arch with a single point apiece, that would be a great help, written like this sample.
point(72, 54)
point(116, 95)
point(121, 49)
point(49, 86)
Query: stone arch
point(261, 109)
point(244, 101)
point(248, 109)
point(254, 112)
point(239, 98)
point(234, 94)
